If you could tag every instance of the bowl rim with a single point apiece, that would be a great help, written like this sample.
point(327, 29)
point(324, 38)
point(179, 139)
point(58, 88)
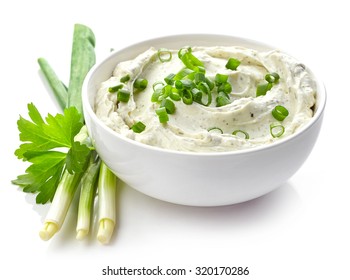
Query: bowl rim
point(321, 99)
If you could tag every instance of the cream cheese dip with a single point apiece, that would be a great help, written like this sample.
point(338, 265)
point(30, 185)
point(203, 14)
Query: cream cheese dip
point(198, 128)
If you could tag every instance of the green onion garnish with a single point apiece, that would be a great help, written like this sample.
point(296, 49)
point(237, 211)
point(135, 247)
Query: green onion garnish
point(187, 97)
point(140, 84)
point(170, 79)
point(158, 85)
point(164, 55)
point(263, 89)
point(225, 87)
point(125, 78)
point(232, 64)
point(241, 133)
point(123, 95)
point(216, 130)
point(276, 130)
point(162, 115)
point(220, 79)
point(115, 88)
point(138, 127)
point(272, 78)
point(222, 99)
point(279, 113)
point(168, 105)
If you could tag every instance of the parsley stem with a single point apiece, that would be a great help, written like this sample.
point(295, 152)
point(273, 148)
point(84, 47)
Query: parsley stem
point(106, 203)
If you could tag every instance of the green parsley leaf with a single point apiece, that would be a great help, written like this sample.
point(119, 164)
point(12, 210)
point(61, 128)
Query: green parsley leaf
point(44, 145)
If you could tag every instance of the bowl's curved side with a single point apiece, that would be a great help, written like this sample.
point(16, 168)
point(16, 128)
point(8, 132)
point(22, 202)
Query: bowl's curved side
point(189, 178)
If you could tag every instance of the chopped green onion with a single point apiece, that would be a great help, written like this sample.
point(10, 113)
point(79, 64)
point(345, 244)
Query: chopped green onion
point(272, 78)
point(158, 85)
point(187, 97)
point(140, 84)
point(263, 89)
point(123, 95)
point(232, 64)
point(225, 87)
point(174, 94)
point(182, 51)
point(187, 83)
point(156, 95)
point(170, 79)
point(168, 105)
point(164, 55)
point(216, 130)
point(183, 73)
point(222, 99)
point(138, 127)
point(199, 77)
point(125, 78)
point(220, 79)
point(241, 133)
point(115, 88)
point(276, 130)
point(280, 113)
point(162, 115)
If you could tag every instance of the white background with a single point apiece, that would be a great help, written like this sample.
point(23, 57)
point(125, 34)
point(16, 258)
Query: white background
point(300, 231)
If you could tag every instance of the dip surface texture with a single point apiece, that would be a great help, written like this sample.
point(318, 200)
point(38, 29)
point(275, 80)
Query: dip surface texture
point(190, 128)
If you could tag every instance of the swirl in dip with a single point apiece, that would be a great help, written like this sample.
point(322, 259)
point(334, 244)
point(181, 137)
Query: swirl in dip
point(198, 128)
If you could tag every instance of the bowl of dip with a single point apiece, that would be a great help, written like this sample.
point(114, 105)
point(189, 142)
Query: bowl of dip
point(217, 120)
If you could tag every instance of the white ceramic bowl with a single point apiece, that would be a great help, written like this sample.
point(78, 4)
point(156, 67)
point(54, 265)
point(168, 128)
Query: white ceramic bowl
point(197, 179)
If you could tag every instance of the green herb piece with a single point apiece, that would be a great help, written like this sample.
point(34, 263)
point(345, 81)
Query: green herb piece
point(222, 99)
point(272, 78)
point(140, 84)
point(138, 127)
point(232, 63)
point(220, 78)
point(215, 130)
point(168, 105)
point(123, 95)
point(280, 113)
point(125, 79)
point(164, 55)
point(187, 97)
point(162, 115)
point(276, 130)
point(170, 79)
point(41, 140)
point(263, 89)
point(115, 88)
point(241, 133)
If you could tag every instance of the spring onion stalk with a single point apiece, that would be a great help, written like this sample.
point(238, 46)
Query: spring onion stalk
point(82, 59)
point(60, 205)
point(87, 195)
point(107, 204)
point(58, 88)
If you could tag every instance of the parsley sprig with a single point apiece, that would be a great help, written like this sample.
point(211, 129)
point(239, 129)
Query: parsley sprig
point(42, 147)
